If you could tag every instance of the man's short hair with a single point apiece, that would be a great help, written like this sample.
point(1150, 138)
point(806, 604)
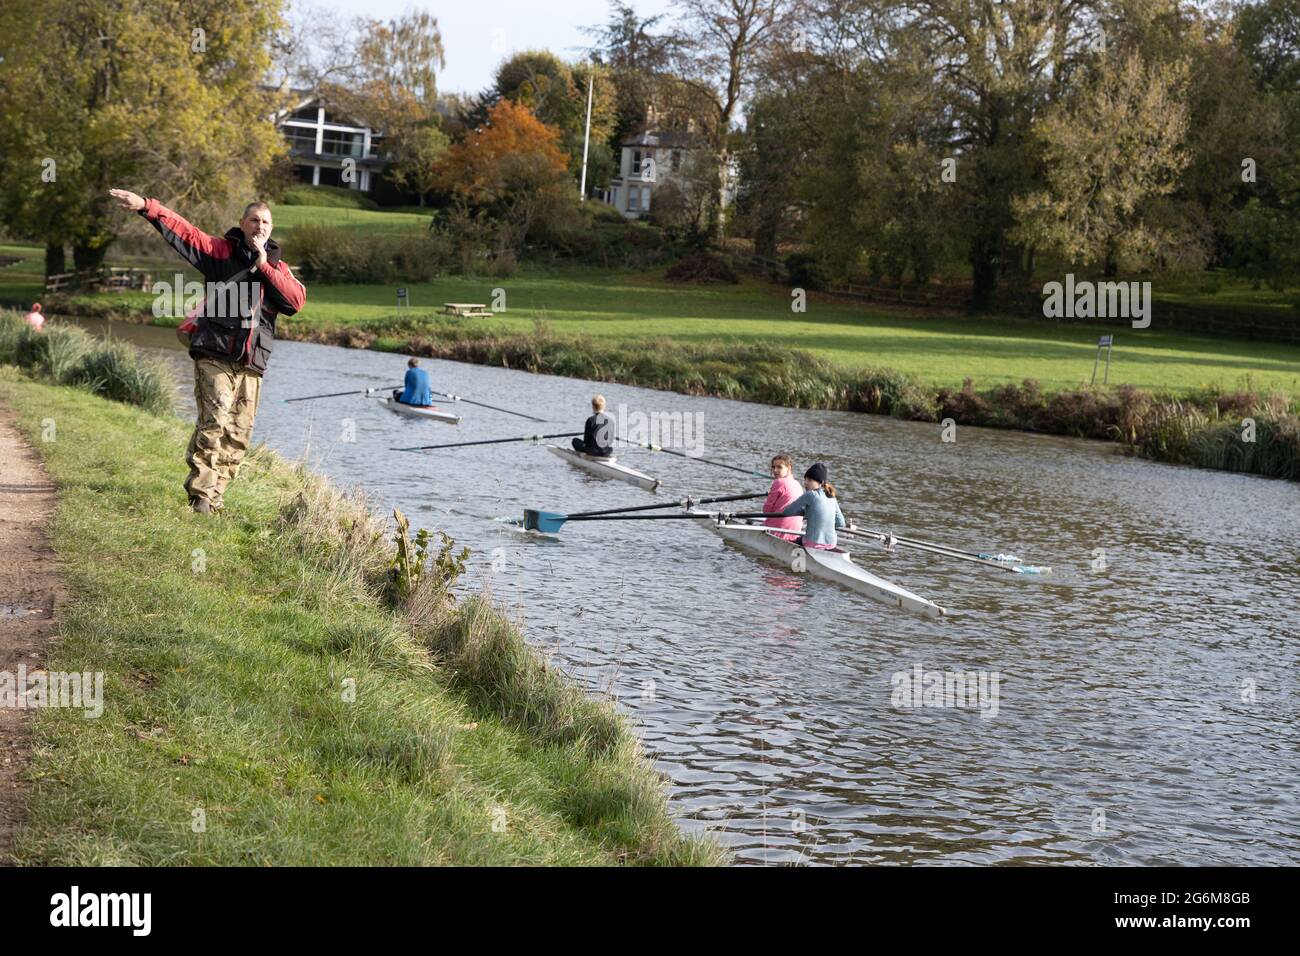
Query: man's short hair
point(412, 363)
point(251, 206)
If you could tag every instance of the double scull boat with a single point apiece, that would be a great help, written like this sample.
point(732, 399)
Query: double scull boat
point(836, 565)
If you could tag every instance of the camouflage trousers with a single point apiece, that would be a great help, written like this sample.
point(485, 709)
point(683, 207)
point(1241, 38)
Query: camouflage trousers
point(226, 396)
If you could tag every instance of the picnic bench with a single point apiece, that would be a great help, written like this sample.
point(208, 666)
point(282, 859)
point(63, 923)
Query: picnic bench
point(467, 310)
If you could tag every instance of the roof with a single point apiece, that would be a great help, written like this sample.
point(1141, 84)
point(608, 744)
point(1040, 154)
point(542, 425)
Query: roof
point(664, 139)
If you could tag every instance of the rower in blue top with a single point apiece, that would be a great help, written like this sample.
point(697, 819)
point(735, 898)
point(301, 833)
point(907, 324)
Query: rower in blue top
point(820, 509)
point(418, 391)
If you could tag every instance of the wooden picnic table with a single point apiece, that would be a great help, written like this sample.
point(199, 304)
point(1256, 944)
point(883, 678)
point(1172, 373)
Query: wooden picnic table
point(467, 310)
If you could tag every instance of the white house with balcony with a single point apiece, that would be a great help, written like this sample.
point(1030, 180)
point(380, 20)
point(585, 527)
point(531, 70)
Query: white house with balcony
point(330, 150)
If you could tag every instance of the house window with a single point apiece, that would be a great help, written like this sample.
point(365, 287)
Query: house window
point(638, 199)
point(300, 138)
point(336, 143)
point(636, 162)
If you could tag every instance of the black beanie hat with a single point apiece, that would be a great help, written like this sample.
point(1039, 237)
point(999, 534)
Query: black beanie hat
point(817, 473)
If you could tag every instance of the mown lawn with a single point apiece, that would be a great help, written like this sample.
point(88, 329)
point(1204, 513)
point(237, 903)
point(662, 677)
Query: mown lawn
point(939, 349)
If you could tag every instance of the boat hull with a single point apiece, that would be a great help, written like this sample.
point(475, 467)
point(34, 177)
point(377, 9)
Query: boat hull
point(836, 566)
point(429, 413)
point(606, 468)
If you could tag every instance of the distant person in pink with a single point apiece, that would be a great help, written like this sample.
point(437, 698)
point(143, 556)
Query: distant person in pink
point(784, 490)
point(35, 319)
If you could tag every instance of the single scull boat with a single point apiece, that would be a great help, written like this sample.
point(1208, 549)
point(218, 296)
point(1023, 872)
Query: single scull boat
point(605, 468)
point(836, 566)
point(431, 412)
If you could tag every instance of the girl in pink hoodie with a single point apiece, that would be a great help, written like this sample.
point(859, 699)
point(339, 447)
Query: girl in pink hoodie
point(784, 490)
point(35, 319)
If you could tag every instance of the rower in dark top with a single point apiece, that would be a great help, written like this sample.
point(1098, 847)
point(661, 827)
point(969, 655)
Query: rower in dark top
point(598, 434)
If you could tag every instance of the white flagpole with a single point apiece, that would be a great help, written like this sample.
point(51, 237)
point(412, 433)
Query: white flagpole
point(586, 139)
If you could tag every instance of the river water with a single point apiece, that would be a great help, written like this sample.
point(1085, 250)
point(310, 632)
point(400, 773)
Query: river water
point(1140, 702)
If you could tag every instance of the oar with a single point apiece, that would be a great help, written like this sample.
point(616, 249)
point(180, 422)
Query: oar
point(549, 522)
point(367, 391)
point(680, 454)
point(468, 401)
point(489, 441)
point(1006, 562)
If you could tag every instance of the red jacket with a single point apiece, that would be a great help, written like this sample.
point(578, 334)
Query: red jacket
point(237, 322)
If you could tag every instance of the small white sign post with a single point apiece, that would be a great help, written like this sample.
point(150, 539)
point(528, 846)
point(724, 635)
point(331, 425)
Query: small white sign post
point(1104, 342)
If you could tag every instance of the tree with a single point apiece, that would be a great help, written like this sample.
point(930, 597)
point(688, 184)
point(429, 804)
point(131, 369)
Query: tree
point(771, 160)
point(715, 45)
point(511, 169)
point(1269, 34)
point(995, 68)
point(1109, 151)
point(389, 82)
point(414, 157)
point(150, 95)
point(556, 93)
point(637, 57)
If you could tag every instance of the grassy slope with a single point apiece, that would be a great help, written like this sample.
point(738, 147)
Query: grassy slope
point(223, 693)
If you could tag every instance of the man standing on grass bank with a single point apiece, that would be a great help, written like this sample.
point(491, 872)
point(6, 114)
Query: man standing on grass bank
point(229, 336)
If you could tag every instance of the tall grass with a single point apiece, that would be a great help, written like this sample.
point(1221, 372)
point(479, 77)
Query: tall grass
point(482, 654)
point(66, 355)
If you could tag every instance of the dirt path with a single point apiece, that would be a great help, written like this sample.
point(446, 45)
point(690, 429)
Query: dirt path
point(30, 590)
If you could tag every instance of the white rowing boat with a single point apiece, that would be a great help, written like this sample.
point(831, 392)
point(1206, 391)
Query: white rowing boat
point(836, 566)
point(606, 468)
point(430, 412)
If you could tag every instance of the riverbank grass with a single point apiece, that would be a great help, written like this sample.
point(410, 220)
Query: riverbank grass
point(266, 704)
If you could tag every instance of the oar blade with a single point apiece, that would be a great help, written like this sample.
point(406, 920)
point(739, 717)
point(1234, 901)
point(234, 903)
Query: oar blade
point(546, 522)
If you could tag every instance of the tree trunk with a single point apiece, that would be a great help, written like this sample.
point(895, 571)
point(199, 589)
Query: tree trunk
point(984, 273)
point(719, 196)
point(765, 230)
point(56, 261)
point(1110, 268)
point(88, 258)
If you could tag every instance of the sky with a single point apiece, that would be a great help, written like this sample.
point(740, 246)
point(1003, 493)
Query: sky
point(478, 34)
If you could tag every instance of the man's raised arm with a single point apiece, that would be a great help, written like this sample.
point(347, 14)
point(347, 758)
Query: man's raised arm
point(194, 245)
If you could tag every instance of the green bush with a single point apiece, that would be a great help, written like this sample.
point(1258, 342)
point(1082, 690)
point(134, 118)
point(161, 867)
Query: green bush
point(327, 254)
point(702, 267)
point(804, 272)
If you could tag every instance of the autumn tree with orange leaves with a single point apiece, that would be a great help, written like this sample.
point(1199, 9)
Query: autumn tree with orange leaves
point(511, 170)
